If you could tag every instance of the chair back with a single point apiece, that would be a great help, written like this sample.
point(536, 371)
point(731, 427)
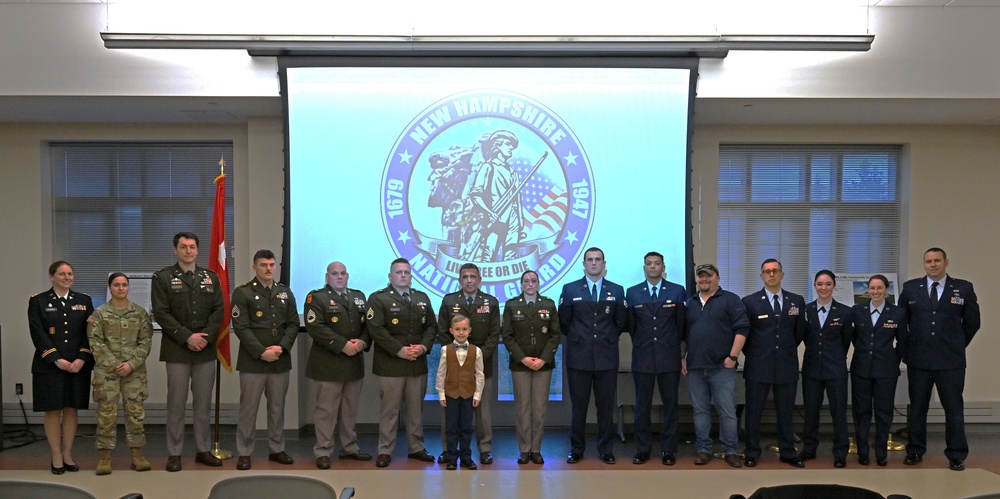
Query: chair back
point(244, 487)
point(30, 489)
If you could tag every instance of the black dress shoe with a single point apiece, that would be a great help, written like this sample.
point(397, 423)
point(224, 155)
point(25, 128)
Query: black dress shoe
point(523, 458)
point(73, 468)
point(956, 465)
point(383, 460)
point(243, 463)
point(881, 461)
point(452, 466)
point(912, 459)
point(536, 457)
point(608, 459)
point(750, 462)
point(280, 458)
point(574, 458)
point(794, 461)
point(323, 462)
point(468, 463)
point(805, 457)
point(863, 460)
point(640, 458)
point(207, 458)
point(668, 458)
point(173, 463)
point(422, 455)
point(485, 457)
point(441, 458)
point(58, 471)
point(839, 462)
point(358, 455)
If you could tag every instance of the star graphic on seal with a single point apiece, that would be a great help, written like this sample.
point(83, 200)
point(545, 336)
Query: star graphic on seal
point(570, 159)
point(570, 237)
point(404, 237)
point(404, 157)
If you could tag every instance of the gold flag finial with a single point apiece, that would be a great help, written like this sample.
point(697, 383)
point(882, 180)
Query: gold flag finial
point(222, 165)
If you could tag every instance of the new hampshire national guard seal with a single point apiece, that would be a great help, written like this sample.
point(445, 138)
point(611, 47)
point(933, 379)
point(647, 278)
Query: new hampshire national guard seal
point(490, 177)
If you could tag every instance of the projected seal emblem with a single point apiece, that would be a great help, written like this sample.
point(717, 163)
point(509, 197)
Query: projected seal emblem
point(490, 177)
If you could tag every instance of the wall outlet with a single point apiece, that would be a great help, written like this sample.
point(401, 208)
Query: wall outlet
point(18, 389)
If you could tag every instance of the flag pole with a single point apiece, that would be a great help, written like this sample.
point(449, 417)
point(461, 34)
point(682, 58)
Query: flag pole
point(217, 263)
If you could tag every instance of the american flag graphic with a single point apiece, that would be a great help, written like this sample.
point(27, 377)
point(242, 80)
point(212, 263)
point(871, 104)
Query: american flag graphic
point(544, 202)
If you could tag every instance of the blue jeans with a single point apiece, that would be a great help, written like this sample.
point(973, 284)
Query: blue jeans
point(714, 386)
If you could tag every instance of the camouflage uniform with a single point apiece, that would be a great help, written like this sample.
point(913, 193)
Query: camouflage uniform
point(118, 336)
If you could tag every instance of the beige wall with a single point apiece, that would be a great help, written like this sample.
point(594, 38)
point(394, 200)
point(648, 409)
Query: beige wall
point(951, 171)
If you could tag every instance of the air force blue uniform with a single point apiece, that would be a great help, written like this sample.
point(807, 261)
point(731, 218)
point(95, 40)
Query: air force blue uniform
point(934, 352)
point(878, 343)
point(592, 329)
point(657, 326)
point(772, 361)
point(824, 368)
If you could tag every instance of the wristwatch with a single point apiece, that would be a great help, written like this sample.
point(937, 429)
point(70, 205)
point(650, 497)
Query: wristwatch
point(734, 358)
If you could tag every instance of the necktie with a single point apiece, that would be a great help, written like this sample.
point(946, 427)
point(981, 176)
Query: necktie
point(343, 295)
point(593, 292)
point(934, 294)
point(653, 295)
point(468, 300)
point(822, 316)
point(875, 313)
point(406, 297)
point(777, 308)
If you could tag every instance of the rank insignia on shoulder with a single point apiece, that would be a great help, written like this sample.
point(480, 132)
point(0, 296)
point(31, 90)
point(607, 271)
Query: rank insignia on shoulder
point(236, 311)
point(371, 314)
point(310, 317)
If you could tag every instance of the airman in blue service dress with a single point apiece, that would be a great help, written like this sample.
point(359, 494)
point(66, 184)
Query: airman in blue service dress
point(657, 326)
point(878, 343)
point(772, 362)
point(824, 369)
point(592, 328)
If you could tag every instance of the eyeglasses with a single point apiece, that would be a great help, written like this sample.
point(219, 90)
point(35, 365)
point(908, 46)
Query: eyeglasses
point(771, 271)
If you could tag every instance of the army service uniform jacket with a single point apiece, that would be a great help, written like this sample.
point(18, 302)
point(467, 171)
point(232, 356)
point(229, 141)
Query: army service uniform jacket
point(262, 318)
point(531, 331)
point(393, 324)
point(332, 321)
point(184, 304)
point(484, 317)
point(58, 331)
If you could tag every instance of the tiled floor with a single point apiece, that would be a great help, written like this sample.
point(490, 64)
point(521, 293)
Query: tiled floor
point(505, 478)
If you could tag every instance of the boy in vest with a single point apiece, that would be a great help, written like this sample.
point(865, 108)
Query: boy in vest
point(459, 385)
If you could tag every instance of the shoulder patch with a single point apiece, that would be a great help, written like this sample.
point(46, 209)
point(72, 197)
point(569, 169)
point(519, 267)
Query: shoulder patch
point(309, 298)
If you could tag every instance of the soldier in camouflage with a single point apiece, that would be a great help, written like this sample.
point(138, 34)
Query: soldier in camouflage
point(120, 335)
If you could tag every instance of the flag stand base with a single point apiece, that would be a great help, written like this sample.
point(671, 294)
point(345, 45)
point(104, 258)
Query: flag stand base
point(221, 453)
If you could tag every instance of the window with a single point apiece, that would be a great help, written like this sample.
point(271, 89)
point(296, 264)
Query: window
point(811, 207)
point(117, 206)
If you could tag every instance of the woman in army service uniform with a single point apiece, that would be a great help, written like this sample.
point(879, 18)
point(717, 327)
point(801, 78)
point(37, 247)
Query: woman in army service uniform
point(60, 367)
point(120, 336)
point(531, 334)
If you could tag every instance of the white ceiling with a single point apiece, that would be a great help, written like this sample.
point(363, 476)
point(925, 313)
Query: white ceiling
point(968, 107)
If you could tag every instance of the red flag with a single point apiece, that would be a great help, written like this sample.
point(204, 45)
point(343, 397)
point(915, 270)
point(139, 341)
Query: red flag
point(217, 264)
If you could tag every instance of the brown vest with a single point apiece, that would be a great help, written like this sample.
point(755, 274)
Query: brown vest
point(460, 379)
